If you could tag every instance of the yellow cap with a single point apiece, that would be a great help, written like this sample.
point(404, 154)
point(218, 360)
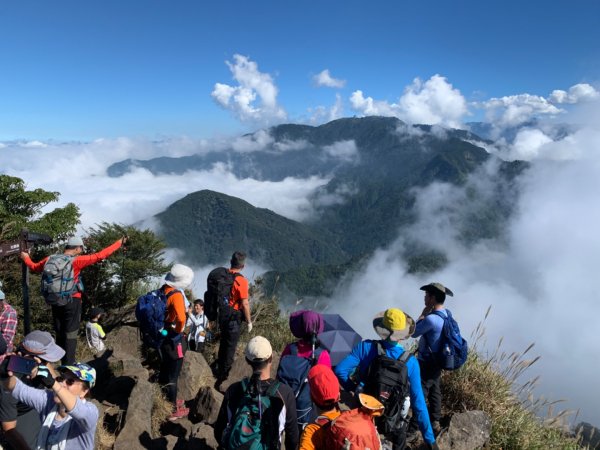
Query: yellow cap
point(394, 319)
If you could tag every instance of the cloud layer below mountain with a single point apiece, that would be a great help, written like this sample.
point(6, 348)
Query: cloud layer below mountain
point(538, 278)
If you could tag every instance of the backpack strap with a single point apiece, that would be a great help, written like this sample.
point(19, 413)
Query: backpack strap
point(322, 421)
point(381, 352)
point(273, 389)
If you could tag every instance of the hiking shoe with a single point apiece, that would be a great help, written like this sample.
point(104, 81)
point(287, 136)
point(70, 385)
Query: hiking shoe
point(435, 426)
point(179, 413)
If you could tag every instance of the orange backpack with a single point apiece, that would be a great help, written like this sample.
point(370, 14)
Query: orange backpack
point(351, 430)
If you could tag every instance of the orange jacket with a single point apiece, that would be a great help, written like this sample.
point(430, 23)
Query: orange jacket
point(79, 262)
point(312, 438)
point(175, 308)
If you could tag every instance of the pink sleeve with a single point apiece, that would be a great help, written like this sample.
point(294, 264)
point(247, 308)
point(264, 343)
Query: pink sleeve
point(324, 358)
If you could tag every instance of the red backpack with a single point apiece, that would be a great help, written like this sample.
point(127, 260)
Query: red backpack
point(351, 430)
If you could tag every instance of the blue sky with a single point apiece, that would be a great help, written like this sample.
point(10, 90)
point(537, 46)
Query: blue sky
point(84, 70)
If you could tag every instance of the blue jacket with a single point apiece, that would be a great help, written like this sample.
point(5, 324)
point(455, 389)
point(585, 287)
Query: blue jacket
point(361, 357)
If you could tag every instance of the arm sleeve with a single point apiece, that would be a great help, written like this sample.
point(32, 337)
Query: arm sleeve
point(85, 414)
point(35, 267)
point(348, 366)
point(422, 327)
point(307, 437)
point(180, 315)
point(86, 260)
point(291, 421)
point(35, 398)
point(100, 330)
point(417, 401)
point(10, 327)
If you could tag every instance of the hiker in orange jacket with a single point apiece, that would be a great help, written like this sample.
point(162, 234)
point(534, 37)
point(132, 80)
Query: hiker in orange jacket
point(67, 317)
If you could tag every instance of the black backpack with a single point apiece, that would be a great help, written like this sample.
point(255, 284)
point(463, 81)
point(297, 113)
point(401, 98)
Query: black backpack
point(218, 291)
point(387, 381)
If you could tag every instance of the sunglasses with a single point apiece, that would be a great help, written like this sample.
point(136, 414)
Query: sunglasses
point(67, 380)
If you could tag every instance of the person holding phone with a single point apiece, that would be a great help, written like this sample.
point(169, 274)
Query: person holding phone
point(35, 355)
point(68, 419)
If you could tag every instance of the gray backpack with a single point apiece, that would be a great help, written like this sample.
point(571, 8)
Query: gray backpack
point(58, 280)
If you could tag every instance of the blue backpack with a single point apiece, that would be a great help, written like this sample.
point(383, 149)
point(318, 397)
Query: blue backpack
point(453, 350)
point(293, 371)
point(150, 314)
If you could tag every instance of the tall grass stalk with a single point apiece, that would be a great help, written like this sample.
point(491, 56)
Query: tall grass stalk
point(520, 419)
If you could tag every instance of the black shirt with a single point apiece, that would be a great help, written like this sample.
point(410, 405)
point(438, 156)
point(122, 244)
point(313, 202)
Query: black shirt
point(285, 398)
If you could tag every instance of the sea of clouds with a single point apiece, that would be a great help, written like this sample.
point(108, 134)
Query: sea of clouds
point(540, 280)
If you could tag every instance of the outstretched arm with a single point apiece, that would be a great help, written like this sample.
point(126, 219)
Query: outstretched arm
point(86, 260)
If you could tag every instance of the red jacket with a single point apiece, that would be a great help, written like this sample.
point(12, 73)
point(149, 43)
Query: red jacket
point(79, 262)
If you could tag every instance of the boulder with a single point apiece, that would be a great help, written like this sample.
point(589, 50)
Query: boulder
point(241, 369)
point(124, 340)
point(467, 431)
point(202, 438)
point(206, 405)
point(120, 316)
point(195, 374)
point(138, 417)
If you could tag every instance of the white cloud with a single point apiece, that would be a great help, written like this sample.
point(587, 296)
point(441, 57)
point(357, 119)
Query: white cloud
point(254, 99)
point(342, 150)
point(514, 110)
point(139, 194)
point(324, 79)
point(322, 114)
point(528, 143)
point(287, 145)
point(252, 142)
point(577, 93)
point(433, 102)
point(536, 277)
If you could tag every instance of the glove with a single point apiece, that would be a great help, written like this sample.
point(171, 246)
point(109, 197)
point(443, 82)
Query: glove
point(44, 377)
point(249, 327)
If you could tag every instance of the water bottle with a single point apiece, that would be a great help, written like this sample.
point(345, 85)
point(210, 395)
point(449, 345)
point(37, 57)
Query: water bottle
point(448, 357)
point(405, 407)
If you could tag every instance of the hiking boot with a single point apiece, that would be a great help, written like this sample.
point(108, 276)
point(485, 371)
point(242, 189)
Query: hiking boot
point(218, 383)
point(179, 413)
point(435, 426)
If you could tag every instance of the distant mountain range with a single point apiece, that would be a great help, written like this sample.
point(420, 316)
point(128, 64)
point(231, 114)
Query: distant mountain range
point(374, 164)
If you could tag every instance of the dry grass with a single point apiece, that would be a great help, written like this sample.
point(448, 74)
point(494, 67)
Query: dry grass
point(519, 419)
point(161, 410)
point(105, 440)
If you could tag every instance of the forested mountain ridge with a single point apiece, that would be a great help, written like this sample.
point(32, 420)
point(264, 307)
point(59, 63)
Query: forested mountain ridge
point(375, 166)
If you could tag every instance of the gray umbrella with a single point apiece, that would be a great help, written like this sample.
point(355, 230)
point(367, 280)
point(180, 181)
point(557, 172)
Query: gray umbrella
point(338, 337)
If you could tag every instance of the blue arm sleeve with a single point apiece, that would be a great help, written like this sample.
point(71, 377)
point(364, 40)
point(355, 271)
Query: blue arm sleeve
point(417, 400)
point(422, 327)
point(348, 366)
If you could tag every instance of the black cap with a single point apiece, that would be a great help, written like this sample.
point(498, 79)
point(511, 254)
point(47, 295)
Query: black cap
point(94, 312)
